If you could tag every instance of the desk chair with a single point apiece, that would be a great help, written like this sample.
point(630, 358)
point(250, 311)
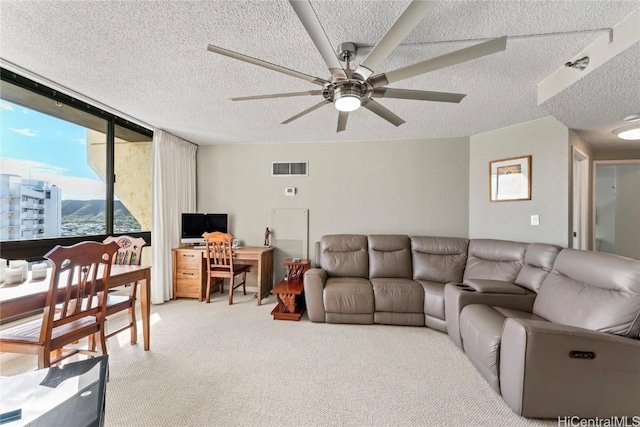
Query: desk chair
point(78, 272)
point(220, 263)
point(129, 252)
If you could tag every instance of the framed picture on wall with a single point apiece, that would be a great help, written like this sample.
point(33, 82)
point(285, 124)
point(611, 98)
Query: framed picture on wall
point(510, 179)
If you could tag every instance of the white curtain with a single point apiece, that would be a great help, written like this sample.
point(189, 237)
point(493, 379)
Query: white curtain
point(174, 192)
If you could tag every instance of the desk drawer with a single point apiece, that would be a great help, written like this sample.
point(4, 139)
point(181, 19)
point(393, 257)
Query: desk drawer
point(188, 274)
point(188, 287)
point(190, 259)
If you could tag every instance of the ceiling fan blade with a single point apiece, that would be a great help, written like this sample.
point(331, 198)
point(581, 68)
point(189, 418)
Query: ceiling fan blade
point(419, 95)
point(342, 120)
point(381, 111)
point(412, 15)
point(277, 95)
point(307, 111)
point(265, 64)
point(309, 19)
point(453, 58)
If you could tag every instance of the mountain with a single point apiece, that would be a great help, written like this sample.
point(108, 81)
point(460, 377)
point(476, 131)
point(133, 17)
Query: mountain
point(91, 208)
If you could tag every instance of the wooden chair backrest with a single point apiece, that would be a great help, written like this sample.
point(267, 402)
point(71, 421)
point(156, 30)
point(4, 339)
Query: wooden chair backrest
point(130, 249)
point(79, 273)
point(219, 251)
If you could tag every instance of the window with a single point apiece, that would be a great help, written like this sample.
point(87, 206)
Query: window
point(69, 171)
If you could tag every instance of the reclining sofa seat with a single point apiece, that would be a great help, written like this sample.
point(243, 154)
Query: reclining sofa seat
point(498, 272)
point(339, 291)
point(577, 352)
point(398, 299)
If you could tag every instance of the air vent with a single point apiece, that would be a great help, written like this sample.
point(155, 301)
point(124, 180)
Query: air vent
point(289, 168)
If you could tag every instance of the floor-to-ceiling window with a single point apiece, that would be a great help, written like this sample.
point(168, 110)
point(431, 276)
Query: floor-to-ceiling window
point(69, 171)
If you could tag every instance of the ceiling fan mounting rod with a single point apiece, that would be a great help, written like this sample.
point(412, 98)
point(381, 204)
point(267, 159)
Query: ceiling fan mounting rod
point(347, 51)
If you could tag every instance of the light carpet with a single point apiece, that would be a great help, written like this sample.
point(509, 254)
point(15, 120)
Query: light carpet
point(220, 365)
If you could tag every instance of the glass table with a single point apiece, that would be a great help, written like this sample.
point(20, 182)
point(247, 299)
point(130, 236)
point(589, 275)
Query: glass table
point(70, 395)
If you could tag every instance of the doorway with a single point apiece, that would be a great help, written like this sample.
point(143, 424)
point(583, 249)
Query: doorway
point(617, 207)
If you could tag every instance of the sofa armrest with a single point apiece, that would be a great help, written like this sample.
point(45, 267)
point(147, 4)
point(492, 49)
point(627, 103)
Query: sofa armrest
point(314, 281)
point(549, 370)
point(456, 298)
point(493, 287)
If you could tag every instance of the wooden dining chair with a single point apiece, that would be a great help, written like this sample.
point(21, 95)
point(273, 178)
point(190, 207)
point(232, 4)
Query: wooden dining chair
point(129, 253)
point(220, 265)
point(75, 305)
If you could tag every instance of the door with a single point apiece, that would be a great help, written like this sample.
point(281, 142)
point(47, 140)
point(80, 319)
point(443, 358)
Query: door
point(580, 199)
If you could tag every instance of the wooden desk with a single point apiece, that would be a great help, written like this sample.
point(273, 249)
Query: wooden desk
point(29, 297)
point(190, 270)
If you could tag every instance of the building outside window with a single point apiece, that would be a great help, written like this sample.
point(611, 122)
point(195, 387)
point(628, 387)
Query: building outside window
point(59, 164)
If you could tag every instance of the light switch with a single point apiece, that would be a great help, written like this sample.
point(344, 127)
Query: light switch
point(535, 219)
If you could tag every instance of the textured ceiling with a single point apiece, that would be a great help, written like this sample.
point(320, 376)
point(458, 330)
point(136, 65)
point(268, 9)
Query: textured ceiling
point(149, 59)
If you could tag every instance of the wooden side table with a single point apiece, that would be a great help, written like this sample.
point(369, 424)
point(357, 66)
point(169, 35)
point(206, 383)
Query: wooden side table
point(290, 291)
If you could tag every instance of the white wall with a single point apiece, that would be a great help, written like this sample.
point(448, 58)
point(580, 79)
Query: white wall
point(414, 187)
point(547, 141)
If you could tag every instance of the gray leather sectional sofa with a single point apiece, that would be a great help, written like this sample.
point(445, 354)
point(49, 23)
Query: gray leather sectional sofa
point(555, 331)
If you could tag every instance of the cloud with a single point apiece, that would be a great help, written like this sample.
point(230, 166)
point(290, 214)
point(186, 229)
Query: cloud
point(25, 131)
point(5, 106)
point(72, 187)
point(80, 141)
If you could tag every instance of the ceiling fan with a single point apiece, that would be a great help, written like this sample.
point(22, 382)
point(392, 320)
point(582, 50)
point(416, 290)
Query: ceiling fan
point(350, 89)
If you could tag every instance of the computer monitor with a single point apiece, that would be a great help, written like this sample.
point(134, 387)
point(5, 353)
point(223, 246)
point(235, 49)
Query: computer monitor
point(194, 225)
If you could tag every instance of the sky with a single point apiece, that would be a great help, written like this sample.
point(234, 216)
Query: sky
point(38, 146)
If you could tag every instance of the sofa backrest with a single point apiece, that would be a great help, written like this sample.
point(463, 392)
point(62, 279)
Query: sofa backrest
point(592, 290)
point(345, 255)
point(538, 262)
point(439, 259)
point(494, 259)
point(389, 256)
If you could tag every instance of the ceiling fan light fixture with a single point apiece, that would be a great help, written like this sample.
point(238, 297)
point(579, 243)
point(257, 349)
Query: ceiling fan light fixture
point(348, 103)
point(347, 98)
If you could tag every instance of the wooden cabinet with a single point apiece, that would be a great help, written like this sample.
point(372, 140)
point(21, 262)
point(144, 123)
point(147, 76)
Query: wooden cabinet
point(189, 273)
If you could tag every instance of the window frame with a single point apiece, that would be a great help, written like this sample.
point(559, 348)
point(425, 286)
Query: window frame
point(35, 249)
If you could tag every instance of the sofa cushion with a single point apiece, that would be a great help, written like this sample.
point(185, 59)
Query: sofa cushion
point(389, 256)
point(494, 259)
point(594, 291)
point(348, 295)
point(344, 255)
point(438, 259)
point(398, 295)
point(538, 262)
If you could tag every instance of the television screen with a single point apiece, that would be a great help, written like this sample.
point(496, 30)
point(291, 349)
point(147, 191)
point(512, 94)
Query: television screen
point(195, 224)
